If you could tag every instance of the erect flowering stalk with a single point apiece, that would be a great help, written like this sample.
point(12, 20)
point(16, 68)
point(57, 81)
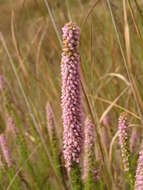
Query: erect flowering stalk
point(5, 149)
point(139, 171)
point(106, 120)
point(11, 125)
point(88, 162)
point(123, 140)
point(50, 121)
point(133, 139)
point(53, 138)
point(71, 101)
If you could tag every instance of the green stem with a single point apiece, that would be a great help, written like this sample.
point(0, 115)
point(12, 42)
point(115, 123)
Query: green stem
point(76, 177)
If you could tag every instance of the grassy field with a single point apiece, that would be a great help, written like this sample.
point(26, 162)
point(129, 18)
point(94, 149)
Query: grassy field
point(111, 43)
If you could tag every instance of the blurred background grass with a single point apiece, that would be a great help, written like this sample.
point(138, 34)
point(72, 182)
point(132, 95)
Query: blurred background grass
point(36, 52)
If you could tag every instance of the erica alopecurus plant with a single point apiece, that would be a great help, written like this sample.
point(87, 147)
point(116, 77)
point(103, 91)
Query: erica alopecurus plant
point(134, 139)
point(5, 149)
point(88, 163)
point(71, 102)
point(139, 171)
point(54, 144)
point(123, 128)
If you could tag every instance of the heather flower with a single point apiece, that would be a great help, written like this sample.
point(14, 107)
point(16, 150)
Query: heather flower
point(71, 98)
point(88, 147)
point(133, 139)
point(106, 133)
point(105, 136)
point(106, 120)
point(123, 140)
point(54, 145)
point(5, 149)
point(139, 171)
point(50, 120)
point(11, 125)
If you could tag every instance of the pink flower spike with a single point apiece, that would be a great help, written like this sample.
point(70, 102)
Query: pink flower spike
point(5, 149)
point(71, 98)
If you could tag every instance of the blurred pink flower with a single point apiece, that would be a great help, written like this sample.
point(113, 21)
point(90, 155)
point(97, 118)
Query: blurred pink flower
point(88, 148)
point(133, 139)
point(123, 139)
point(139, 171)
point(5, 149)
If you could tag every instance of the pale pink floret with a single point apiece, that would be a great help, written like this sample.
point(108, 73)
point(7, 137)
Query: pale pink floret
point(123, 140)
point(71, 98)
point(5, 149)
point(88, 147)
point(139, 172)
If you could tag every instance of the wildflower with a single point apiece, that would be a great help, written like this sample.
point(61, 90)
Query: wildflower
point(133, 139)
point(54, 145)
point(123, 140)
point(11, 125)
point(88, 147)
point(71, 98)
point(5, 149)
point(106, 120)
point(139, 171)
point(50, 120)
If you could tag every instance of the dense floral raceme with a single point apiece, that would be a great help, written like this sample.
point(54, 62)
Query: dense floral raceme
point(71, 98)
point(88, 147)
point(139, 172)
point(5, 149)
point(123, 140)
point(50, 119)
point(11, 125)
point(133, 139)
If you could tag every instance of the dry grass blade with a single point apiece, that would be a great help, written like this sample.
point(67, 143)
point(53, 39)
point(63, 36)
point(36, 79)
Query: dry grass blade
point(119, 107)
point(89, 13)
point(53, 22)
point(16, 46)
point(111, 146)
point(118, 75)
point(134, 20)
point(111, 105)
point(138, 7)
point(127, 35)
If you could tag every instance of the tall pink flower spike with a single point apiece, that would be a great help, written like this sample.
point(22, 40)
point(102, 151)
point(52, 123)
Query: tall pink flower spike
point(71, 96)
